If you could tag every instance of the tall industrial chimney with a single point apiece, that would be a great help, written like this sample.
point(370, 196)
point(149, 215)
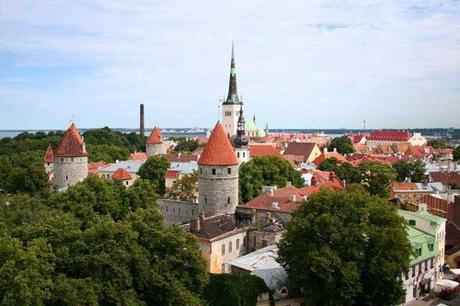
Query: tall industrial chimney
point(141, 129)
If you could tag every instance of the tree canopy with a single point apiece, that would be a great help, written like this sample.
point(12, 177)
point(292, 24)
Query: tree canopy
point(376, 177)
point(333, 248)
point(344, 171)
point(99, 243)
point(415, 170)
point(185, 188)
point(154, 170)
point(234, 290)
point(265, 171)
point(186, 145)
point(456, 153)
point(342, 144)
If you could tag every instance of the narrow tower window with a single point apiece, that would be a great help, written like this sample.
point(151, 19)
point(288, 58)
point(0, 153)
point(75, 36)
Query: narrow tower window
point(229, 170)
point(213, 171)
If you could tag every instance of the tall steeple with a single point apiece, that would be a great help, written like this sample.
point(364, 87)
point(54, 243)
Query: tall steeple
point(241, 138)
point(232, 97)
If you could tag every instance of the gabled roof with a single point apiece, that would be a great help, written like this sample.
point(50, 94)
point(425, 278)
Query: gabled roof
point(445, 178)
point(390, 135)
point(327, 155)
point(218, 151)
point(121, 175)
point(303, 149)
point(155, 137)
point(215, 226)
point(49, 155)
point(71, 144)
point(263, 149)
point(138, 156)
point(95, 166)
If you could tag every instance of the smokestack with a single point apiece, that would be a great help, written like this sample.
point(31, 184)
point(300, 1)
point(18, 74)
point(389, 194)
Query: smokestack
point(141, 128)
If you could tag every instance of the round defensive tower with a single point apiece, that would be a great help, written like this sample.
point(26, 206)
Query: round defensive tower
point(154, 144)
point(70, 159)
point(218, 175)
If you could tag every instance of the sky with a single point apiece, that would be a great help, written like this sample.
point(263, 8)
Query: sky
point(300, 64)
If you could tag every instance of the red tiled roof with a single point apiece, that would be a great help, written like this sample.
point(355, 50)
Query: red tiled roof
point(49, 156)
point(93, 167)
point(327, 155)
point(215, 226)
point(446, 178)
point(172, 174)
point(335, 184)
point(155, 137)
point(71, 144)
point(399, 186)
point(218, 151)
point(138, 156)
point(265, 149)
point(121, 174)
point(390, 135)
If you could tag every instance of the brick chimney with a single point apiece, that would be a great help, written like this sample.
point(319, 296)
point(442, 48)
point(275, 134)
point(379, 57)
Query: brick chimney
point(195, 225)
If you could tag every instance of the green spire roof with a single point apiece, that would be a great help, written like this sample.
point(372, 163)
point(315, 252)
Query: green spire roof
point(232, 96)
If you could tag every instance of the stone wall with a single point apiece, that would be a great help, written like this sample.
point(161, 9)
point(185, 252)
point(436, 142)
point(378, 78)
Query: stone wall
point(69, 170)
point(177, 212)
point(218, 192)
point(156, 149)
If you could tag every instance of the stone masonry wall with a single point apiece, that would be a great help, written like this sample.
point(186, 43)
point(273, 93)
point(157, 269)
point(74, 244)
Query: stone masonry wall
point(156, 149)
point(177, 212)
point(215, 189)
point(69, 170)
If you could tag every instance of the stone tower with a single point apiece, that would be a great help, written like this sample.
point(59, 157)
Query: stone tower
point(232, 103)
point(241, 140)
point(154, 144)
point(48, 162)
point(218, 175)
point(70, 159)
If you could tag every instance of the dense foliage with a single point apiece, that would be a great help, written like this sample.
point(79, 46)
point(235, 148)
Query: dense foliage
point(185, 188)
point(437, 143)
point(105, 136)
point(346, 248)
point(234, 290)
point(342, 144)
point(154, 170)
point(186, 145)
point(265, 171)
point(456, 153)
point(96, 244)
point(415, 171)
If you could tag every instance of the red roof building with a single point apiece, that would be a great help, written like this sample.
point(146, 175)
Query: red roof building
point(155, 137)
point(49, 156)
point(263, 149)
point(390, 135)
point(138, 156)
point(71, 144)
point(172, 174)
point(95, 166)
point(218, 150)
point(446, 178)
point(121, 175)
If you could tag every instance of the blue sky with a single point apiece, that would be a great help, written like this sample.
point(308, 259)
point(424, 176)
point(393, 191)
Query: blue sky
point(300, 64)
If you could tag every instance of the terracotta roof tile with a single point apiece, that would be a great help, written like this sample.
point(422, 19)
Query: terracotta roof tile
point(265, 149)
point(155, 137)
point(49, 155)
point(218, 150)
point(182, 157)
point(303, 149)
point(93, 167)
point(71, 144)
point(215, 226)
point(121, 174)
point(390, 135)
point(446, 178)
point(172, 174)
point(138, 156)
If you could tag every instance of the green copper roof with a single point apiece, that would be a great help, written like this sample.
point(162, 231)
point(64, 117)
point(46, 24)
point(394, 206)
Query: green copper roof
point(251, 126)
point(421, 240)
point(424, 215)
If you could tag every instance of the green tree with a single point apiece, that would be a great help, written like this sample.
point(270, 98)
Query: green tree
point(107, 152)
point(234, 290)
point(437, 143)
point(346, 248)
point(154, 170)
point(185, 188)
point(456, 153)
point(265, 171)
point(329, 164)
point(186, 145)
point(376, 177)
point(414, 170)
point(96, 244)
point(345, 171)
point(343, 145)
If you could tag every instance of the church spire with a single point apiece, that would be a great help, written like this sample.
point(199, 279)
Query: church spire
point(232, 97)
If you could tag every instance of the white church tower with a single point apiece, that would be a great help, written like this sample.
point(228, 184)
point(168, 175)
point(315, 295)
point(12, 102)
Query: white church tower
point(232, 104)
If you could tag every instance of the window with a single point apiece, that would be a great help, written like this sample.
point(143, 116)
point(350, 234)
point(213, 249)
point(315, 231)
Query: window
point(244, 241)
point(419, 267)
point(228, 200)
point(66, 177)
point(431, 263)
point(205, 200)
point(426, 265)
point(62, 159)
point(213, 171)
point(48, 164)
point(264, 243)
point(430, 246)
point(126, 183)
point(414, 291)
point(418, 252)
point(193, 211)
point(238, 244)
point(201, 170)
point(222, 249)
point(237, 154)
point(228, 113)
point(412, 222)
point(229, 170)
point(244, 154)
point(230, 247)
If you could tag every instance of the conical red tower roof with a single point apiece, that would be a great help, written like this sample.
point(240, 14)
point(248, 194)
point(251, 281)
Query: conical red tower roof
point(218, 150)
point(155, 137)
point(71, 144)
point(121, 175)
point(49, 156)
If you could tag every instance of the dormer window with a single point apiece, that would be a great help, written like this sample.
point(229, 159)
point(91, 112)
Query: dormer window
point(412, 222)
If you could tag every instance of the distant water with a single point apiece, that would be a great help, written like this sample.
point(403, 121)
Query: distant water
point(9, 133)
